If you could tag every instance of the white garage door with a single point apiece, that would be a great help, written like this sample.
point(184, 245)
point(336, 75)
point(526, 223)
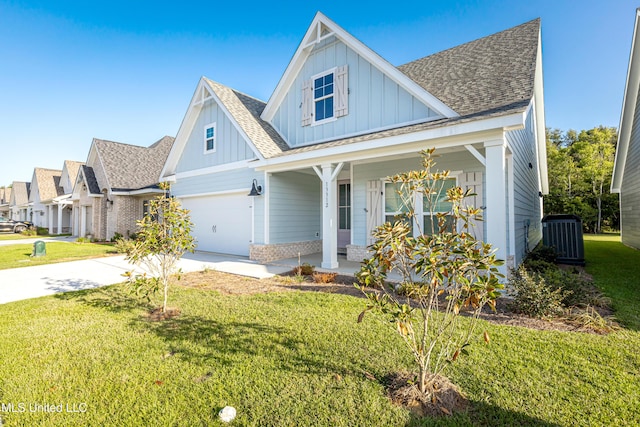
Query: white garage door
point(221, 223)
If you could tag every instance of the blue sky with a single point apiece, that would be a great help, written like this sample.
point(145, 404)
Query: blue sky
point(126, 70)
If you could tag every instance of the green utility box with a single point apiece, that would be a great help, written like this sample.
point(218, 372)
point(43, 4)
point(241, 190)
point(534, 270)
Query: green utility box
point(39, 248)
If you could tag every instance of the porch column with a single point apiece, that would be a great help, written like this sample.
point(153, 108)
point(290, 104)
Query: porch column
point(83, 221)
point(50, 218)
point(496, 199)
point(60, 209)
point(329, 214)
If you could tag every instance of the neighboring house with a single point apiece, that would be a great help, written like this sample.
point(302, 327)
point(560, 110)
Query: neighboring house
point(5, 198)
point(340, 121)
point(19, 206)
point(45, 186)
point(626, 170)
point(61, 206)
point(113, 186)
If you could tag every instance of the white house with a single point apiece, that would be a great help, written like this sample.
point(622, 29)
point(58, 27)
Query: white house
point(20, 208)
point(626, 173)
point(45, 185)
point(340, 121)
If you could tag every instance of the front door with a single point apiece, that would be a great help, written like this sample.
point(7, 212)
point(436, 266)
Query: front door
point(344, 215)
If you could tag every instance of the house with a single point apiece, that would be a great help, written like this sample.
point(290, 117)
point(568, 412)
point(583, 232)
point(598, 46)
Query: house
point(5, 198)
point(113, 186)
point(626, 173)
point(305, 172)
point(19, 206)
point(45, 186)
point(61, 206)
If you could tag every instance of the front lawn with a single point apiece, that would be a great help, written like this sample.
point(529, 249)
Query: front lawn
point(19, 255)
point(287, 359)
point(16, 236)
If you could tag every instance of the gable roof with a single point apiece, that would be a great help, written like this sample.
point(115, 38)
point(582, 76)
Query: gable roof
point(72, 167)
point(47, 183)
point(321, 28)
point(20, 193)
point(89, 178)
point(131, 167)
point(629, 103)
point(491, 74)
point(5, 195)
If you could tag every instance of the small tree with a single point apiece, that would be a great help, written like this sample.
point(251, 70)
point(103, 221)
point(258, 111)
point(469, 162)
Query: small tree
point(163, 237)
point(444, 270)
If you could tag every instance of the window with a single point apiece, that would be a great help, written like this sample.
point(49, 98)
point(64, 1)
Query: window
point(395, 207)
point(439, 204)
point(344, 206)
point(210, 138)
point(323, 97)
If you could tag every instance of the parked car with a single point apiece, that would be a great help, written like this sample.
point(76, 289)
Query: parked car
point(11, 226)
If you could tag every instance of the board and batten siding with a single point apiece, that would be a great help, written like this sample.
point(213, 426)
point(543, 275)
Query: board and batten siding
point(230, 145)
point(239, 180)
point(374, 100)
point(295, 207)
point(630, 188)
point(527, 202)
point(363, 173)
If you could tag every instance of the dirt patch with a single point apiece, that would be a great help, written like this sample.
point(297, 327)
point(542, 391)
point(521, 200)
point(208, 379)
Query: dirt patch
point(443, 398)
point(157, 315)
point(230, 284)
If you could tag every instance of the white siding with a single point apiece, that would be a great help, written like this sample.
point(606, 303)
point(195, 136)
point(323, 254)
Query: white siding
point(295, 207)
point(230, 146)
point(225, 182)
point(630, 188)
point(375, 101)
point(526, 188)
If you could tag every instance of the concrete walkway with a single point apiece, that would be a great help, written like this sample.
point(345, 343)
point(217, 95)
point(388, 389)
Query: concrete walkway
point(31, 282)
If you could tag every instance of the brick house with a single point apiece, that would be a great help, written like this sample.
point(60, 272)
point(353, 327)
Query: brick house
point(113, 186)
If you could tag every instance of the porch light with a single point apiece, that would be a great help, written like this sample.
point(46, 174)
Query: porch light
point(256, 190)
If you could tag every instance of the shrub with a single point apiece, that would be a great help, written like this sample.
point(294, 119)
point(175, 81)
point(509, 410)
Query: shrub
point(444, 271)
point(42, 231)
point(543, 253)
point(305, 269)
point(533, 296)
point(29, 232)
point(116, 237)
point(324, 277)
point(83, 240)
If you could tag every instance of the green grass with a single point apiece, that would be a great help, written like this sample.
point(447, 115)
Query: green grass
point(616, 271)
point(15, 236)
point(289, 359)
point(19, 255)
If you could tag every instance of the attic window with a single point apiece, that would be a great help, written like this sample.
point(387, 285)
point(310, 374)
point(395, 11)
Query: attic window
point(325, 96)
point(210, 138)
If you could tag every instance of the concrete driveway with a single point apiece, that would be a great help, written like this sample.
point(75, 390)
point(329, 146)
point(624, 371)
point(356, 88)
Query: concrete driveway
point(31, 282)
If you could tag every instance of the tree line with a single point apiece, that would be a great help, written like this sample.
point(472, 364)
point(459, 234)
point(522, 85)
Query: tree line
point(580, 168)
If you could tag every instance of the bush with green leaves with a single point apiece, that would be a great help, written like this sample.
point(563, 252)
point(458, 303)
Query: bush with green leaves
point(444, 271)
point(163, 237)
point(533, 296)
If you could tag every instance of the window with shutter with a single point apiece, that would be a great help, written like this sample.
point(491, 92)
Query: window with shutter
point(325, 96)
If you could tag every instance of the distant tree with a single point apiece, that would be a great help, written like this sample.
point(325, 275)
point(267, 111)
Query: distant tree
point(580, 166)
point(163, 237)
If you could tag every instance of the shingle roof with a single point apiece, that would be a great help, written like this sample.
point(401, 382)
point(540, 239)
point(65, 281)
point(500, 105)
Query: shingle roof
point(489, 77)
point(246, 110)
point(491, 74)
point(21, 192)
point(48, 182)
point(131, 167)
point(90, 177)
point(72, 169)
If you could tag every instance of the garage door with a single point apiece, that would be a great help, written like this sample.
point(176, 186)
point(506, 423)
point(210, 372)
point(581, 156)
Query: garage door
point(221, 223)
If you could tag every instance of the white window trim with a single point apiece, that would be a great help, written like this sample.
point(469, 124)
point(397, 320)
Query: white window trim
point(333, 118)
point(215, 138)
point(419, 213)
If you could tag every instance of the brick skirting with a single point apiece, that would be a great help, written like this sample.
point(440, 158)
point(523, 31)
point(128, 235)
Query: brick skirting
point(268, 253)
